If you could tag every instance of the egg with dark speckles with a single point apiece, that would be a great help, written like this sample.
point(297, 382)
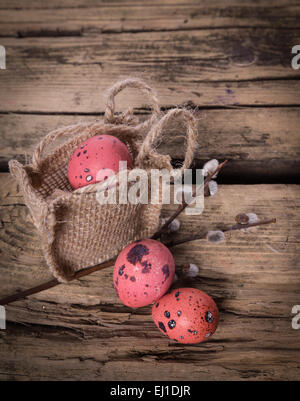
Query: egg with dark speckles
point(96, 159)
point(143, 273)
point(186, 315)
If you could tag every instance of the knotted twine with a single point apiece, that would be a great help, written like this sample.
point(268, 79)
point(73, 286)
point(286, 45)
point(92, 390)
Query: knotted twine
point(76, 230)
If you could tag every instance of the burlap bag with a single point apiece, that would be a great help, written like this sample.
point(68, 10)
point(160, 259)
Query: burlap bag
point(76, 230)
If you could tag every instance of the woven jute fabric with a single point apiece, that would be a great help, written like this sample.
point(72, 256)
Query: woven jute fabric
point(76, 230)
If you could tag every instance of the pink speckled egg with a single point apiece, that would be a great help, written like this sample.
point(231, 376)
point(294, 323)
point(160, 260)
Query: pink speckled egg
point(143, 272)
point(96, 159)
point(186, 315)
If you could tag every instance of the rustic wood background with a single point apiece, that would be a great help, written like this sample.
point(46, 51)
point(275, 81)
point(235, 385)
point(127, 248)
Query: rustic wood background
point(229, 61)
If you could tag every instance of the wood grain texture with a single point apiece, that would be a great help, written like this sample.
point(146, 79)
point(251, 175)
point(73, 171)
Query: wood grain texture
point(230, 57)
point(82, 331)
point(76, 18)
point(208, 67)
point(260, 144)
point(231, 63)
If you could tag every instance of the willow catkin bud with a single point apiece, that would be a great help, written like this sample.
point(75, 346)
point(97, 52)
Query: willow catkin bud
point(210, 166)
point(215, 237)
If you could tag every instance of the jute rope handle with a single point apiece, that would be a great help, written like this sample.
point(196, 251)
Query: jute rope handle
point(53, 136)
point(148, 147)
point(109, 116)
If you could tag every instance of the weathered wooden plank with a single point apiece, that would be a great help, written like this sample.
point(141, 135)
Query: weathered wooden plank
point(80, 17)
point(260, 144)
point(38, 353)
point(56, 4)
point(205, 66)
point(81, 330)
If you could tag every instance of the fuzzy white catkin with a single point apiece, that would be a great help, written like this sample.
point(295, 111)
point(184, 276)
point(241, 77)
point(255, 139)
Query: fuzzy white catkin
point(215, 236)
point(193, 270)
point(173, 226)
point(252, 218)
point(210, 166)
point(213, 187)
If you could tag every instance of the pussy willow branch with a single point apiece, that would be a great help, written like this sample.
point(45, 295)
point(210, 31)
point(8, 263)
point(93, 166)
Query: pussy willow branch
point(197, 236)
point(92, 269)
point(184, 204)
point(88, 270)
point(54, 282)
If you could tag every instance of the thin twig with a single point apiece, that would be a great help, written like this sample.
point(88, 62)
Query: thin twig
point(92, 269)
point(184, 204)
point(197, 236)
point(30, 291)
point(54, 282)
